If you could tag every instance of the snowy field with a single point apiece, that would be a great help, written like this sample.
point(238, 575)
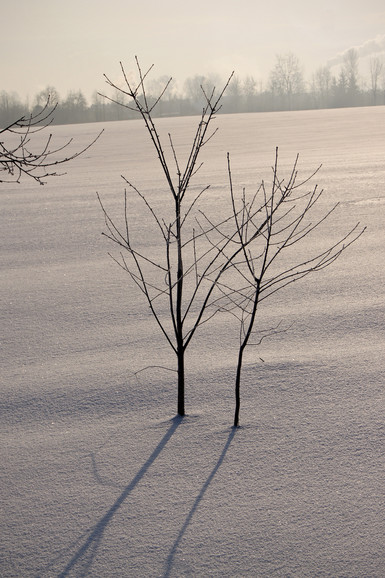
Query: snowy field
point(98, 476)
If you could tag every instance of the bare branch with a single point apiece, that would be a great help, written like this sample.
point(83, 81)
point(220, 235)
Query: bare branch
point(19, 160)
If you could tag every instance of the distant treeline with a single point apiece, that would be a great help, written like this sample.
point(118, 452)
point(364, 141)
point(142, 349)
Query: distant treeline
point(286, 90)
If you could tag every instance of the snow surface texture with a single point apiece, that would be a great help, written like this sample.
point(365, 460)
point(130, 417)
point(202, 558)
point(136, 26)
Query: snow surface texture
point(98, 476)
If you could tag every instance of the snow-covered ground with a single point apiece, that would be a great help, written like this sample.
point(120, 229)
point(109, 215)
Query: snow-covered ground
point(99, 478)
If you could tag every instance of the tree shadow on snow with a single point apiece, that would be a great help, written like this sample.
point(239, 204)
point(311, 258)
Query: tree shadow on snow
point(198, 499)
point(83, 558)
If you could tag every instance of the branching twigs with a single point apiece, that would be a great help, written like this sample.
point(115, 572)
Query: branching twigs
point(209, 267)
point(286, 223)
point(19, 160)
point(188, 262)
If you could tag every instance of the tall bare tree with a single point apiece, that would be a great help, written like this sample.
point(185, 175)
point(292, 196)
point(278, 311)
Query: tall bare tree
point(49, 95)
point(376, 67)
point(286, 79)
point(350, 71)
point(10, 108)
point(322, 81)
point(180, 279)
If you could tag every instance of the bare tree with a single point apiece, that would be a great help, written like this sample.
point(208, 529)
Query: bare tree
point(75, 99)
point(286, 79)
point(49, 94)
point(322, 81)
point(350, 71)
point(180, 280)
point(208, 267)
point(234, 95)
point(270, 225)
point(10, 107)
point(249, 89)
point(193, 89)
point(18, 159)
point(376, 66)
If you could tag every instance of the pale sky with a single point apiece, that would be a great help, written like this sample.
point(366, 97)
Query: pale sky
point(69, 45)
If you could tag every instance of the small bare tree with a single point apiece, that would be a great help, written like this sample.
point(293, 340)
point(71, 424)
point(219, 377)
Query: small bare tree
point(180, 280)
point(17, 158)
point(269, 225)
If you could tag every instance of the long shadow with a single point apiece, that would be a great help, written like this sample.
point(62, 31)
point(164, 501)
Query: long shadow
point(171, 556)
point(84, 556)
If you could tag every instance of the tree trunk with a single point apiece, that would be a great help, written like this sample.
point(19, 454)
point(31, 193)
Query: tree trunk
point(181, 381)
point(238, 387)
point(179, 318)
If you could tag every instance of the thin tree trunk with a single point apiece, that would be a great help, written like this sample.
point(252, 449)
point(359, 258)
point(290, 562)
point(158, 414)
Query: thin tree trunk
point(240, 356)
point(180, 354)
point(238, 387)
point(179, 320)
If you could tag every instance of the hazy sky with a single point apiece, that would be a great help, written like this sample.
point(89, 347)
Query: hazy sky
point(69, 45)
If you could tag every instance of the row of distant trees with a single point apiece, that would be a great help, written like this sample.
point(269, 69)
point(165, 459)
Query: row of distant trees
point(285, 90)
